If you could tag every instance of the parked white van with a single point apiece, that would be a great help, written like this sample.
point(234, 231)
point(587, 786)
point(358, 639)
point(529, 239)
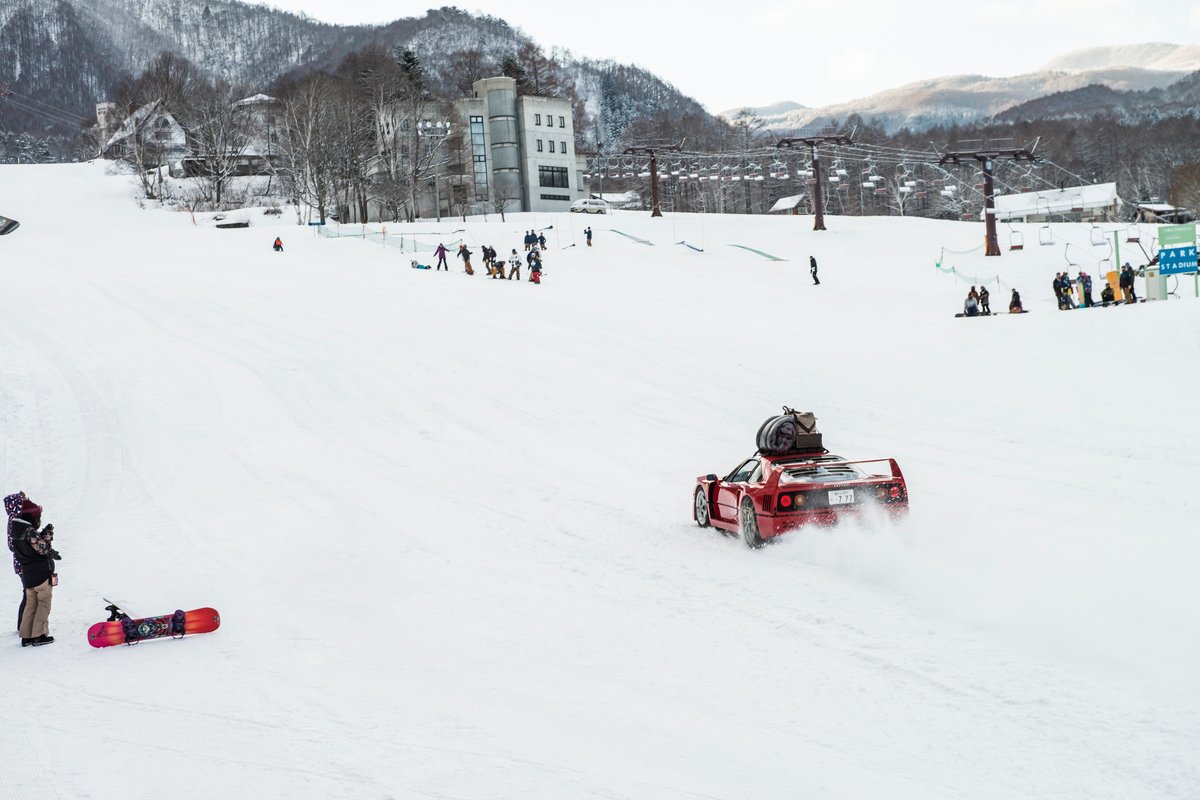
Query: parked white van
point(589, 207)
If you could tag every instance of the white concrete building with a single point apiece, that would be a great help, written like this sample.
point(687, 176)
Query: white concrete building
point(522, 147)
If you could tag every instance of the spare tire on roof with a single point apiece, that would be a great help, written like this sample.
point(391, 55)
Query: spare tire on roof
point(790, 432)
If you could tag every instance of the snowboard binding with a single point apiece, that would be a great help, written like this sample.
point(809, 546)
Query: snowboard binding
point(115, 614)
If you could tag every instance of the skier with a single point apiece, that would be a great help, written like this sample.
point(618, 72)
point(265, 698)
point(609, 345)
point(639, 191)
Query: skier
point(1014, 305)
point(984, 299)
point(588, 233)
point(812, 268)
point(541, 240)
point(441, 257)
point(465, 255)
point(278, 246)
point(35, 552)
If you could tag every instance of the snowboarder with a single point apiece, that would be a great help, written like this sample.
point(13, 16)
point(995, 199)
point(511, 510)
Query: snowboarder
point(1014, 304)
point(812, 268)
point(1085, 281)
point(12, 507)
point(36, 555)
point(441, 257)
point(1107, 295)
point(971, 306)
point(535, 271)
point(465, 255)
point(1126, 281)
point(588, 233)
point(514, 265)
point(984, 299)
point(278, 246)
point(529, 240)
point(541, 240)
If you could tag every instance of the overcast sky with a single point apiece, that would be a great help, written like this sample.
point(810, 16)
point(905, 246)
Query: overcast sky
point(756, 52)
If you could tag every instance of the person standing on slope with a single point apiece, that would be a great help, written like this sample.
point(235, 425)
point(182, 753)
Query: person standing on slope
point(441, 257)
point(541, 240)
point(465, 255)
point(588, 233)
point(984, 299)
point(34, 550)
point(812, 268)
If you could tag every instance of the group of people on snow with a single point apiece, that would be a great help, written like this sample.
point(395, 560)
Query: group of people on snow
point(1064, 291)
point(34, 555)
point(979, 301)
point(495, 264)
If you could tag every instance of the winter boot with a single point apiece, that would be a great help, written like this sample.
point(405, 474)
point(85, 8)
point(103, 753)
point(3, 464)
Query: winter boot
point(26, 642)
point(38, 641)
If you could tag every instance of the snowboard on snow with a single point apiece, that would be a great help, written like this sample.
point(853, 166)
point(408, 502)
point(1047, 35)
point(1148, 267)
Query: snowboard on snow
point(120, 628)
point(8, 225)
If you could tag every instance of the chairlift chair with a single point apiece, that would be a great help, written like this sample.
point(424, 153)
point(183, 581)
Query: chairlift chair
point(1098, 237)
point(1133, 235)
point(1015, 240)
point(1077, 203)
point(1067, 255)
point(1045, 235)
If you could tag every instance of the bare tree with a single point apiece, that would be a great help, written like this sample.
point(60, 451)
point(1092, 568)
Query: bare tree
point(218, 134)
point(505, 190)
point(309, 149)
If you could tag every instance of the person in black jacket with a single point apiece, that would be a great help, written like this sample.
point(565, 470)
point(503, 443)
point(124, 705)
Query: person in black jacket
point(35, 552)
point(812, 268)
point(984, 300)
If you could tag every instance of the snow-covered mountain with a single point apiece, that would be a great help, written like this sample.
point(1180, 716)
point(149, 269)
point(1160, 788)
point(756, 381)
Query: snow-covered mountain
point(968, 98)
point(69, 53)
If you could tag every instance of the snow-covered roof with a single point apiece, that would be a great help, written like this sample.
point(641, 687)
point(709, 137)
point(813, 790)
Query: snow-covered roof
point(1157, 208)
point(1057, 201)
point(170, 135)
point(256, 100)
point(787, 203)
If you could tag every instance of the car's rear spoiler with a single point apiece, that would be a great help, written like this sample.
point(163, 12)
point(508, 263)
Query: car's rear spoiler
point(896, 473)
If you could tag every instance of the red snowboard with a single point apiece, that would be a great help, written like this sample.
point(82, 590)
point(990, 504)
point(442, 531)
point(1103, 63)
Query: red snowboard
point(107, 634)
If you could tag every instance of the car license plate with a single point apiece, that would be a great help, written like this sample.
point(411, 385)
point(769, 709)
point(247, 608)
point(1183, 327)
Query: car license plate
point(840, 497)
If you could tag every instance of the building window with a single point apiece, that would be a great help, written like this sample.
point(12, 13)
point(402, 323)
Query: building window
point(563, 147)
point(556, 197)
point(539, 141)
point(537, 119)
point(553, 177)
point(551, 145)
point(479, 155)
point(562, 122)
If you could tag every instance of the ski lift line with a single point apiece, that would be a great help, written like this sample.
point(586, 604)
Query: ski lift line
point(48, 115)
point(52, 107)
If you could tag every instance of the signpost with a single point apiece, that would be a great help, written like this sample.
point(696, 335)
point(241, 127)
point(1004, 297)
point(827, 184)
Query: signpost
point(1177, 254)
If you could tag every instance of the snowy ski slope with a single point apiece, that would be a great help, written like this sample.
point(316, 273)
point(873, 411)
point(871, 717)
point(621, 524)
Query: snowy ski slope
point(447, 520)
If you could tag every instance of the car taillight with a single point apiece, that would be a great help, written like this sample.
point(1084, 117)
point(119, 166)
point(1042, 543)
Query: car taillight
point(785, 501)
point(895, 493)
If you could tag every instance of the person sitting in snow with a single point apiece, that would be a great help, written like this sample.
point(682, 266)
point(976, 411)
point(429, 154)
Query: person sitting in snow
point(1107, 295)
point(971, 306)
point(278, 246)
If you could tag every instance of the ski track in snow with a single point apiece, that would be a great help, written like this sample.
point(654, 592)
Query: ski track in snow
point(446, 519)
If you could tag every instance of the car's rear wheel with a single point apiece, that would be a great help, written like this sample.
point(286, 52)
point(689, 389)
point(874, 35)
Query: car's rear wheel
point(748, 524)
point(703, 517)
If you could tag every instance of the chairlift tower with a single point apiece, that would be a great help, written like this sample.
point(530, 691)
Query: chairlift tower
point(987, 158)
point(653, 151)
point(812, 143)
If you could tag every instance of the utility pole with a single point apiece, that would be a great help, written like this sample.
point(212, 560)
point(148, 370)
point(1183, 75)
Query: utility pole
point(987, 158)
point(813, 143)
point(652, 151)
